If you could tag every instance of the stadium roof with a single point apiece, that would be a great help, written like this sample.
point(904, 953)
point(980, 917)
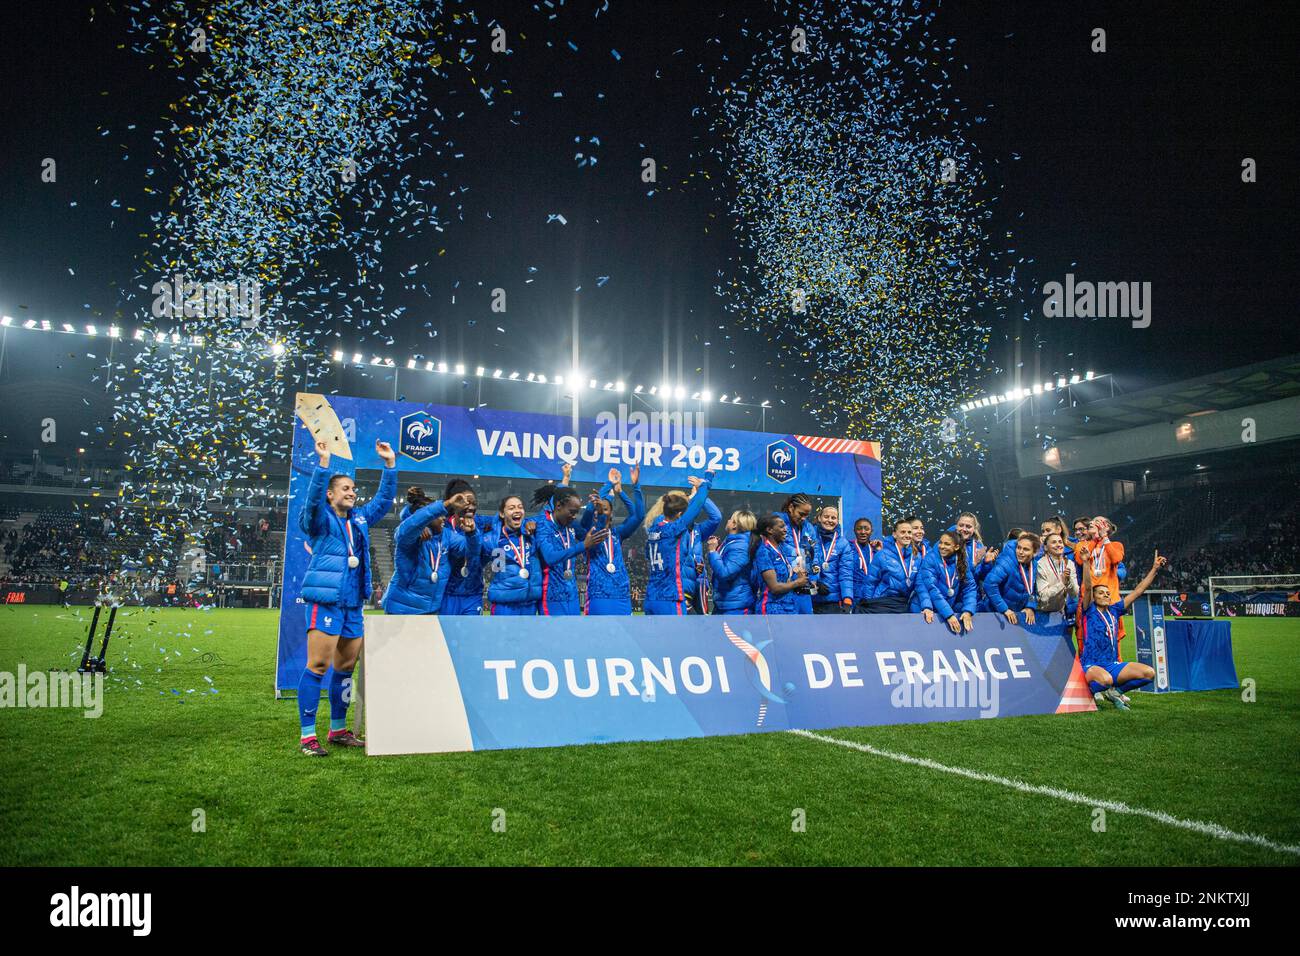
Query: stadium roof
point(1248, 385)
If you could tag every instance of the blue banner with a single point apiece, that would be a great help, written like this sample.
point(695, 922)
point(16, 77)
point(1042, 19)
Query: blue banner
point(436, 684)
point(453, 440)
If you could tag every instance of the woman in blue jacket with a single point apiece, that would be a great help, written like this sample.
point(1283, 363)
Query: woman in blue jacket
point(464, 594)
point(561, 536)
point(334, 589)
point(426, 545)
point(1012, 585)
point(891, 579)
point(668, 550)
point(861, 555)
point(609, 590)
point(697, 537)
point(832, 562)
point(776, 577)
point(799, 535)
point(947, 586)
point(731, 566)
point(516, 571)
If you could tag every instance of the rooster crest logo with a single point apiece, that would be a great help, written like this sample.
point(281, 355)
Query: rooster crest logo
point(421, 436)
point(782, 461)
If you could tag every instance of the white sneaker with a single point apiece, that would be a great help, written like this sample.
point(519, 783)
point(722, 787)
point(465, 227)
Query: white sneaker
point(1097, 697)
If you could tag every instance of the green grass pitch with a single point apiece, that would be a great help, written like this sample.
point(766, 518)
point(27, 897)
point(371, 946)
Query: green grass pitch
point(122, 789)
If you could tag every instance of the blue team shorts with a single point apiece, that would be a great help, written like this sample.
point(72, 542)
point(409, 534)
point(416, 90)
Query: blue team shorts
point(1112, 668)
point(462, 604)
point(345, 622)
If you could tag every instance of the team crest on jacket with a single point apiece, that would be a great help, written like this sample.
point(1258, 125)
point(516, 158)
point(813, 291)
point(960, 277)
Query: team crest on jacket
point(421, 436)
point(782, 461)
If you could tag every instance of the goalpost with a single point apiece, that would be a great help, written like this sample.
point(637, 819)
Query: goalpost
point(1236, 583)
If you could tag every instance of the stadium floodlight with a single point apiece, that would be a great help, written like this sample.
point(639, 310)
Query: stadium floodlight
point(609, 386)
point(428, 366)
point(442, 367)
point(389, 362)
point(695, 396)
point(514, 376)
point(338, 355)
point(620, 387)
point(638, 389)
point(1087, 376)
point(735, 400)
point(680, 392)
point(45, 325)
point(1048, 386)
point(114, 331)
point(479, 371)
point(356, 358)
point(90, 330)
point(1060, 381)
point(541, 378)
point(765, 404)
point(30, 323)
point(375, 360)
point(654, 389)
point(460, 369)
point(723, 398)
point(277, 348)
point(67, 327)
point(1038, 389)
point(410, 363)
point(559, 380)
point(706, 395)
point(1074, 380)
point(591, 383)
point(6, 320)
point(532, 376)
point(497, 373)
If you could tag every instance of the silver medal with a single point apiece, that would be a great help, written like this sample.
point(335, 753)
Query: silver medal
point(568, 574)
point(610, 567)
point(951, 592)
point(464, 572)
point(434, 577)
point(523, 573)
point(353, 560)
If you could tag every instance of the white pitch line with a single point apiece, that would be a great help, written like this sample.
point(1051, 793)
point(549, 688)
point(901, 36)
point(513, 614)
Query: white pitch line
point(1207, 829)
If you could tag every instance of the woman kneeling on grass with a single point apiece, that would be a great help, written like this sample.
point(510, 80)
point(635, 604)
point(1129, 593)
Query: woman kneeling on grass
point(1101, 617)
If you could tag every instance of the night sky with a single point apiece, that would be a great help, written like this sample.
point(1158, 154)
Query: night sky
point(1129, 168)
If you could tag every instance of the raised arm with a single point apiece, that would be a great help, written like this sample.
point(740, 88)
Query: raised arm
point(710, 524)
point(636, 512)
point(378, 506)
point(311, 519)
point(676, 528)
point(1156, 564)
point(408, 532)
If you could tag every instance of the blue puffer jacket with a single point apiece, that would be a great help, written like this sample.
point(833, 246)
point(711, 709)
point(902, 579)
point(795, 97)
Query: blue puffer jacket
point(1005, 588)
point(503, 551)
point(558, 557)
point(699, 536)
point(859, 558)
point(467, 572)
point(412, 589)
point(932, 587)
point(831, 552)
point(733, 583)
point(323, 581)
point(670, 552)
point(601, 584)
point(888, 575)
